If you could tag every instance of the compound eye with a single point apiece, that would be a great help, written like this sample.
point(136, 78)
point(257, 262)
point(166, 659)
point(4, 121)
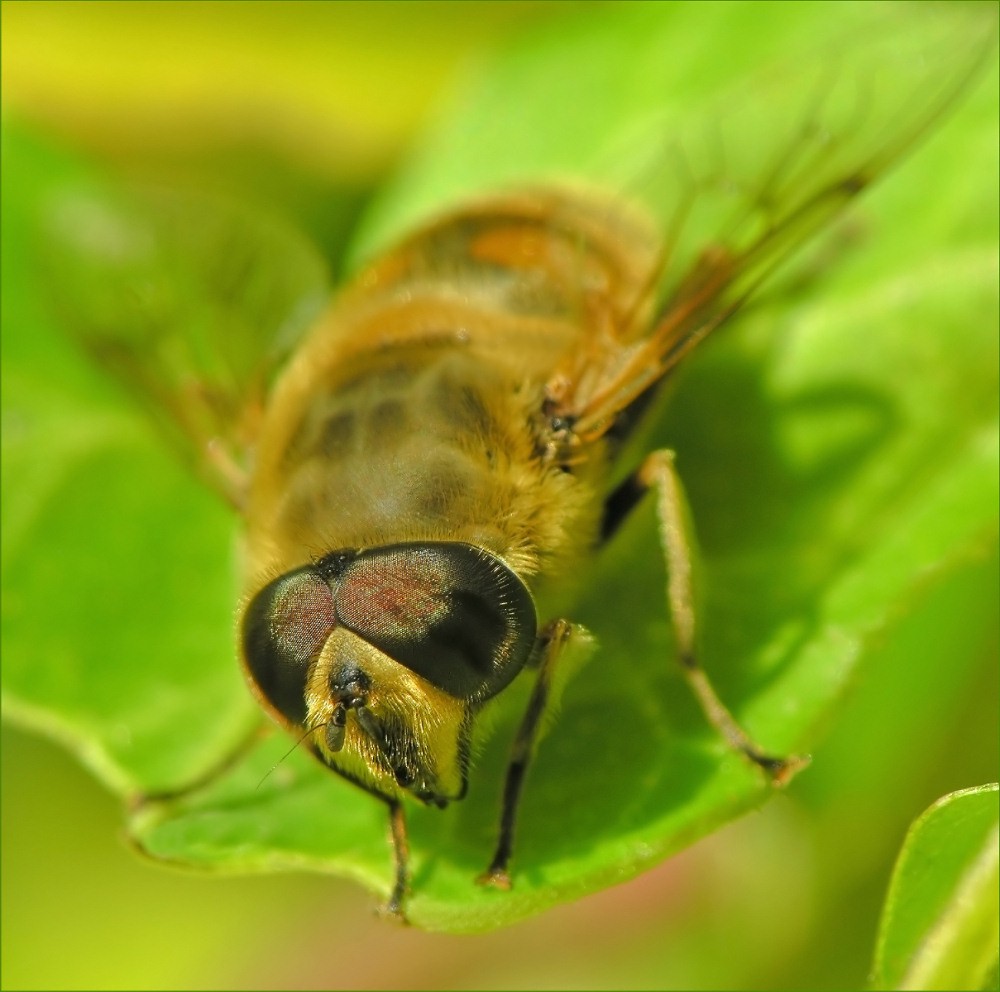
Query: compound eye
point(284, 629)
point(454, 614)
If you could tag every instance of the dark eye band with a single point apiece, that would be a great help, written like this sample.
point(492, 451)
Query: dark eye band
point(452, 613)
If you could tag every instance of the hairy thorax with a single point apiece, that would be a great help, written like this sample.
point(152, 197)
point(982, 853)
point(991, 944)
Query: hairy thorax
point(416, 409)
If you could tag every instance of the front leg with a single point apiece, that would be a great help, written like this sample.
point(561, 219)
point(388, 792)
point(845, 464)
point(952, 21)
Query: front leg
point(553, 642)
point(658, 473)
point(394, 907)
point(401, 857)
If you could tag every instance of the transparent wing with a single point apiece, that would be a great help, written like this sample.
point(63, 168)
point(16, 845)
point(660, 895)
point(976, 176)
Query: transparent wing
point(749, 180)
point(191, 301)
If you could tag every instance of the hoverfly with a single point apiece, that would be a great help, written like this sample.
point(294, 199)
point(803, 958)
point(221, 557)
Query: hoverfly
point(448, 442)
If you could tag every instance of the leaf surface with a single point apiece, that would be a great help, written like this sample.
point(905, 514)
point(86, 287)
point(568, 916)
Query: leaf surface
point(839, 447)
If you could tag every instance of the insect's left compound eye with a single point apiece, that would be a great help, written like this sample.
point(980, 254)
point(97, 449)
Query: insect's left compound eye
point(454, 614)
point(284, 629)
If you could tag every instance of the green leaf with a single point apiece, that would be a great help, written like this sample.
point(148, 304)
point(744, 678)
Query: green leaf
point(839, 448)
point(940, 926)
point(117, 566)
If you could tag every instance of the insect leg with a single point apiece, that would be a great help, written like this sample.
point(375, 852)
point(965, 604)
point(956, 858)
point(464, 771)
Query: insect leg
point(401, 852)
point(658, 472)
point(393, 906)
point(217, 771)
point(553, 641)
point(224, 471)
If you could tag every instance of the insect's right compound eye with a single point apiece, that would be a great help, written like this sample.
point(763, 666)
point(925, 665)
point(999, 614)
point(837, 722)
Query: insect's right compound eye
point(452, 613)
point(284, 629)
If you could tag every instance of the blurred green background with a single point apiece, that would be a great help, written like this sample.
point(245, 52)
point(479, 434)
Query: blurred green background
point(311, 105)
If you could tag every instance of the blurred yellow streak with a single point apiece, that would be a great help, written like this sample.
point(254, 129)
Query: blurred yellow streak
point(335, 86)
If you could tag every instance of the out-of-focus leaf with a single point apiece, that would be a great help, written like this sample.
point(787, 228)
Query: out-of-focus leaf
point(940, 926)
point(191, 301)
point(118, 572)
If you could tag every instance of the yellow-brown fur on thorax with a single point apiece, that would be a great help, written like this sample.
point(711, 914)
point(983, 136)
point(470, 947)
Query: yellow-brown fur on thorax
point(415, 411)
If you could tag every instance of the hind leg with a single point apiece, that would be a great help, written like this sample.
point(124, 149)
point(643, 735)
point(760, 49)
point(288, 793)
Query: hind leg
point(659, 475)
